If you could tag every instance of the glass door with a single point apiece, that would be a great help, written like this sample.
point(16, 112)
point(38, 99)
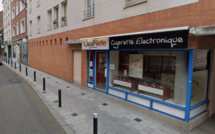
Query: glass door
point(101, 70)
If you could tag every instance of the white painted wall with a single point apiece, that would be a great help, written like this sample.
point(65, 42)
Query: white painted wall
point(105, 11)
point(7, 20)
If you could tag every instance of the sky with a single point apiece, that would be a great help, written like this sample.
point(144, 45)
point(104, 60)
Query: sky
point(1, 5)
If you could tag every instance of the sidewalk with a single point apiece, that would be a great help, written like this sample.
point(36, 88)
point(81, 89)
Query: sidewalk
point(79, 103)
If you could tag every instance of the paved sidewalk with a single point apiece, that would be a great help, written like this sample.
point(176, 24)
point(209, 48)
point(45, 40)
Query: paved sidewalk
point(79, 104)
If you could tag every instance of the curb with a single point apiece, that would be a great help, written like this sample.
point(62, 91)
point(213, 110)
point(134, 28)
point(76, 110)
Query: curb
point(64, 125)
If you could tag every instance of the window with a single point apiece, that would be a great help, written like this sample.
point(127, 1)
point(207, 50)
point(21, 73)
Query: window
point(13, 31)
point(38, 24)
point(13, 13)
point(148, 72)
point(200, 76)
point(30, 6)
point(22, 26)
point(89, 9)
point(38, 3)
point(22, 6)
point(17, 28)
point(30, 28)
point(129, 3)
point(17, 10)
point(49, 19)
point(56, 13)
point(64, 13)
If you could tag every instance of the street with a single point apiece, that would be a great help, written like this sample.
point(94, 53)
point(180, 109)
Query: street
point(21, 110)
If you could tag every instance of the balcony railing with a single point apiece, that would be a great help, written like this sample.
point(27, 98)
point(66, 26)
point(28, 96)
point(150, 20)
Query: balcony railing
point(89, 12)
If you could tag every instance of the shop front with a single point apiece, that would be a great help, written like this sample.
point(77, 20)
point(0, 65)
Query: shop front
point(156, 70)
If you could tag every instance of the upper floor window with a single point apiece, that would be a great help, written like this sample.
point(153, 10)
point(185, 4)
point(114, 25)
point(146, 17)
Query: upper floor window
point(13, 13)
point(13, 31)
point(21, 6)
point(49, 15)
point(38, 25)
point(30, 28)
point(38, 3)
point(64, 13)
point(56, 16)
point(17, 28)
point(22, 26)
point(129, 3)
point(17, 11)
point(29, 6)
point(89, 11)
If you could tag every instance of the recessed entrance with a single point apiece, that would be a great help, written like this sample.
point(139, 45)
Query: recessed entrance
point(101, 71)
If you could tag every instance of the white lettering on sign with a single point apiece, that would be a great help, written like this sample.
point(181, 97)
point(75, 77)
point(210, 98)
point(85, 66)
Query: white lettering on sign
point(142, 41)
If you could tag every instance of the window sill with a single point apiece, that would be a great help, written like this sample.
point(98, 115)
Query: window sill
point(88, 18)
point(131, 4)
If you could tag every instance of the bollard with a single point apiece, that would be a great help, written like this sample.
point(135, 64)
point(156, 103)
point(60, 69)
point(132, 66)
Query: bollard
point(20, 69)
point(15, 65)
point(44, 84)
point(26, 71)
point(11, 63)
point(95, 123)
point(59, 98)
point(34, 76)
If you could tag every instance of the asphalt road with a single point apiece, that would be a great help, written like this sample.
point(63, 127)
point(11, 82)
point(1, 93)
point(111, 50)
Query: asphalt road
point(21, 110)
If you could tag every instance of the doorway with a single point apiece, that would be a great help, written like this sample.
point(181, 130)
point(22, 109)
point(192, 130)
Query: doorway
point(77, 67)
point(101, 70)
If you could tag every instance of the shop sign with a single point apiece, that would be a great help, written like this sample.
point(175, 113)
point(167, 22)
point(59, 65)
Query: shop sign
point(161, 40)
point(95, 44)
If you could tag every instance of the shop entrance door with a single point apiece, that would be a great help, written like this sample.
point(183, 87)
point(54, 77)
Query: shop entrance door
point(101, 71)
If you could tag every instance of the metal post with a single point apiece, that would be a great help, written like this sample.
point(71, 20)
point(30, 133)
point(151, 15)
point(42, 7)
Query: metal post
point(11, 63)
point(20, 69)
point(26, 71)
point(15, 65)
point(95, 123)
point(44, 84)
point(59, 97)
point(34, 76)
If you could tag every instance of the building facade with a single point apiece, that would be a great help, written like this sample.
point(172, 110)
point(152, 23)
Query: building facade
point(19, 31)
point(7, 27)
point(157, 55)
point(1, 35)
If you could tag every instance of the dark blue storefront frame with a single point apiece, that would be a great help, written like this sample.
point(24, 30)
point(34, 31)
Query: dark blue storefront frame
point(188, 108)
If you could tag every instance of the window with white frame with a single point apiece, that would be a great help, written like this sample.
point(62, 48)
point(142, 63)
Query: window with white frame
point(17, 11)
point(30, 28)
point(21, 6)
point(89, 11)
point(129, 3)
point(38, 24)
point(22, 26)
point(49, 15)
point(38, 3)
point(13, 13)
point(17, 28)
point(13, 31)
point(30, 6)
point(64, 13)
point(56, 16)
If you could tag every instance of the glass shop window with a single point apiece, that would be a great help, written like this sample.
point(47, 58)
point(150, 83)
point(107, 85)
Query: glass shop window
point(200, 76)
point(156, 74)
point(90, 71)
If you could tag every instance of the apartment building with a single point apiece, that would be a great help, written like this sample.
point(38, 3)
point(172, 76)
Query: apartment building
point(154, 54)
point(7, 27)
point(1, 35)
point(19, 31)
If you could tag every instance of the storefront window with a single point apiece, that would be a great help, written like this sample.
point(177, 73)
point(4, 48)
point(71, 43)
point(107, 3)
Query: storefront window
point(90, 71)
point(156, 74)
point(200, 76)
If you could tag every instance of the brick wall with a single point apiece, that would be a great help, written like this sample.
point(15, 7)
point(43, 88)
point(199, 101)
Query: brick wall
point(57, 59)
